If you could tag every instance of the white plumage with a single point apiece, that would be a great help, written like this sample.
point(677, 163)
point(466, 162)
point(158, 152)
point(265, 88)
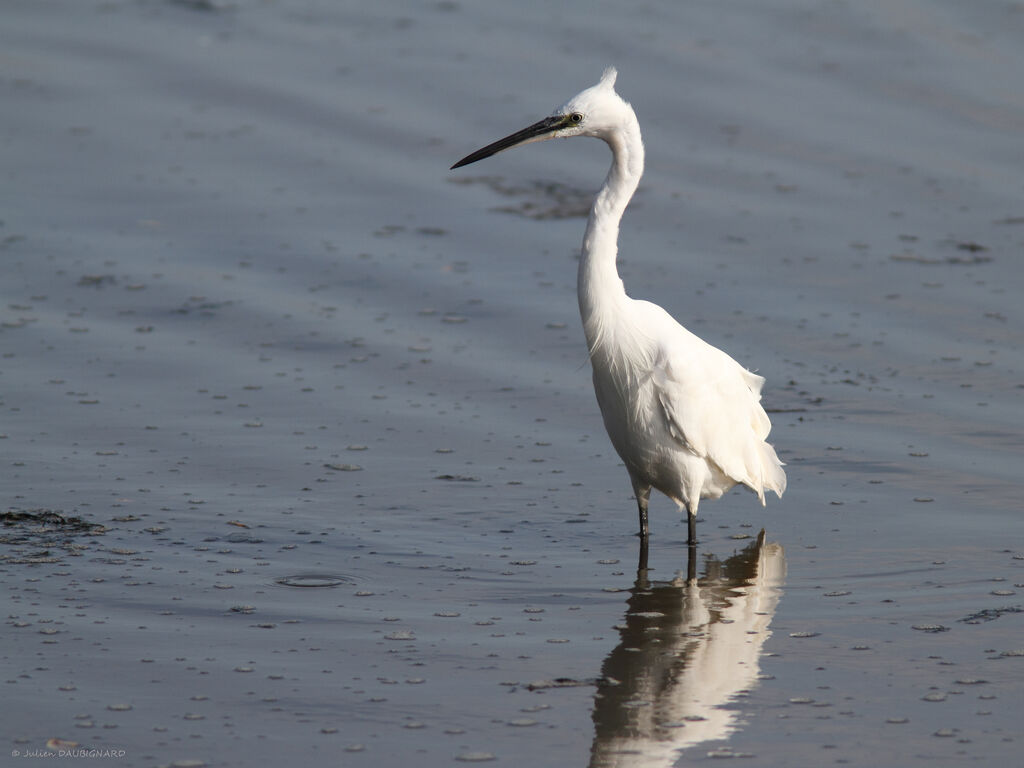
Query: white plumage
point(684, 416)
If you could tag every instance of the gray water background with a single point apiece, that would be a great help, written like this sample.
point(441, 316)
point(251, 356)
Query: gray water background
point(253, 326)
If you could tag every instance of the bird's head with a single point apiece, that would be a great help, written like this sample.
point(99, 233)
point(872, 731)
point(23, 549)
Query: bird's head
point(598, 111)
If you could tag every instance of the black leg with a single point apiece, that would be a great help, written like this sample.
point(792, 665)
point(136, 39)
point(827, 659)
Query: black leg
point(692, 526)
point(641, 565)
point(643, 496)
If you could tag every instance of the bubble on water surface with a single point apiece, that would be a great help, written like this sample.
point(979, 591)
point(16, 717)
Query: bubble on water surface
point(309, 580)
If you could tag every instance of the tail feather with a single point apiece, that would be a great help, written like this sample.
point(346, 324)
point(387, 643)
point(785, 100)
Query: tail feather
point(773, 477)
point(768, 475)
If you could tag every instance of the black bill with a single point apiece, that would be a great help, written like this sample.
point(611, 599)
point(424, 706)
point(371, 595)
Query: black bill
point(532, 133)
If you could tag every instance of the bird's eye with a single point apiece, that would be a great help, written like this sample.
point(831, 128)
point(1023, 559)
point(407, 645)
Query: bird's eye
point(576, 118)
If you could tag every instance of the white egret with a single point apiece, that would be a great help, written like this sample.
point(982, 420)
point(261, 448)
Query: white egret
point(684, 416)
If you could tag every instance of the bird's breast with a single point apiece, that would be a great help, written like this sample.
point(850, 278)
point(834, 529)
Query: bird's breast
point(628, 402)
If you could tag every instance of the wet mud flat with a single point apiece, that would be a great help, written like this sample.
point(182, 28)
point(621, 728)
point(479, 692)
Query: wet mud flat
point(301, 459)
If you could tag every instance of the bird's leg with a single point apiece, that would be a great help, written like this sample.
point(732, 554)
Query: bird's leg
point(643, 496)
point(641, 565)
point(691, 521)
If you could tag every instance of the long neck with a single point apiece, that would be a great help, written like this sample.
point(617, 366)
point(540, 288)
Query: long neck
point(599, 287)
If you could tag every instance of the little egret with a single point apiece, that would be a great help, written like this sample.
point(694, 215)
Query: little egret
point(684, 416)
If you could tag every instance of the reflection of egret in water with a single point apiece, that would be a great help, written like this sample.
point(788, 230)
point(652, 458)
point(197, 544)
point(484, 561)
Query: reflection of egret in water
point(688, 647)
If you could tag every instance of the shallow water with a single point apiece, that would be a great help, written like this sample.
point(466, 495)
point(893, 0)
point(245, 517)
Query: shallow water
point(323, 408)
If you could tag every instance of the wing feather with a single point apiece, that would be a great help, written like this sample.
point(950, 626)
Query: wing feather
point(711, 404)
